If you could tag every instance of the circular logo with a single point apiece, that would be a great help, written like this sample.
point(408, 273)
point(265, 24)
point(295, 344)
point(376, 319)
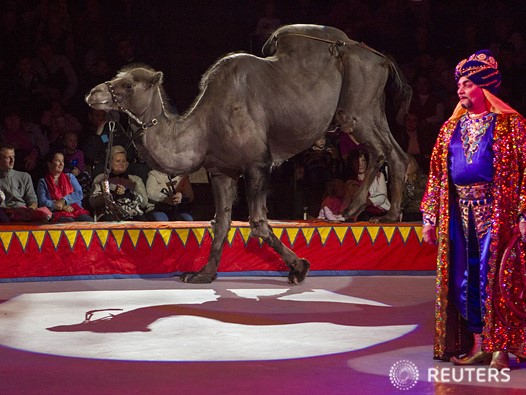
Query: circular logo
point(403, 375)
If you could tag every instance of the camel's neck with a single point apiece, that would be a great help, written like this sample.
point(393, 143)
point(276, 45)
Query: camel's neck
point(174, 145)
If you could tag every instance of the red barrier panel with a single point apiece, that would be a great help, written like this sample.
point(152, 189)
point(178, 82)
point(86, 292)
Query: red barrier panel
point(125, 248)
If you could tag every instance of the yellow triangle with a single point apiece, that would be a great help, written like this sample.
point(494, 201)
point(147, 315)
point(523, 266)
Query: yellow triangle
point(149, 234)
point(405, 231)
point(245, 234)
point(357, 232)
point(231, 234)
point(23, 236)
point(341, 231)
point(87, 235)
point(183, 235)
point(165, 234)
point(389, 232)
point(278, 232)
point(134, 236)
point(39, 237)
point(71, 235)
point(55, 236)
point(324, 234)
point(308, 233)
point(292, 233)
point(103, 236)
point(6, 239)
point(199, 234)
point(418, 230)
point(373, 232)
point(118, 234)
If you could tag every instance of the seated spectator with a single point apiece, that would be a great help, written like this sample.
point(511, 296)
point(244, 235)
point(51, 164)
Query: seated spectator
point(171, 197)
point(60, 192)
point(377, 201)
point(55, 122)
point(332, 204)
point(27, 138)
point(317, 171)
point(74, 162)
point(414, 189)
point(19, 198)
point(124, 196)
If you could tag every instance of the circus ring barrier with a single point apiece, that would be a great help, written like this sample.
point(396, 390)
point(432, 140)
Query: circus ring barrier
point(163, 249)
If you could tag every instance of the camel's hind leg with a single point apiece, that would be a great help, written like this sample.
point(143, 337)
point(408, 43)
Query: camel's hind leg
point(256, 179)
point(224, 190)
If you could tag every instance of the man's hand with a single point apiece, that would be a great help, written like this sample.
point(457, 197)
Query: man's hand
point(429, 232)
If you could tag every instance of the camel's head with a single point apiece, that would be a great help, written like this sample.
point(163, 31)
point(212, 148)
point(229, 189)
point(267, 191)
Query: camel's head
point(133, 90)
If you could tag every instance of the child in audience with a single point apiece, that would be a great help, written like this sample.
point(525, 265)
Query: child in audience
point(332, 204)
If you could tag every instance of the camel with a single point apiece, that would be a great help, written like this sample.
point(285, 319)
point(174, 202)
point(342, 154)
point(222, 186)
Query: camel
point(251, 114)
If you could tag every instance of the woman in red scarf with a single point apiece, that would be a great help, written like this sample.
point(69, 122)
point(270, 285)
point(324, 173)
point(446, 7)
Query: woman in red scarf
point(61, 192)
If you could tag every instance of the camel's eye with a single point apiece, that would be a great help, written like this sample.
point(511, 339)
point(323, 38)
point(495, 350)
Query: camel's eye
point(128, 86)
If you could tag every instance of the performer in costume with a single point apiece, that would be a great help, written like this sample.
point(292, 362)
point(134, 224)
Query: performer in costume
point(476, 199)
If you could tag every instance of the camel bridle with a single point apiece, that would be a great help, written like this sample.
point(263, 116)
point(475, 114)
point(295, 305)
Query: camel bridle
point(143, 125)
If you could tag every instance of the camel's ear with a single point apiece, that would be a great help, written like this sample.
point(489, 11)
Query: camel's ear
point(157, 78)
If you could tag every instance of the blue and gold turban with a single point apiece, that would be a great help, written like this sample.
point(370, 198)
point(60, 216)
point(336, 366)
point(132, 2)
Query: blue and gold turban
point(482, 69)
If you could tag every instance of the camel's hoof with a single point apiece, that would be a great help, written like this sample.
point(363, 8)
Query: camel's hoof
point(197, 278)
point(298, 272)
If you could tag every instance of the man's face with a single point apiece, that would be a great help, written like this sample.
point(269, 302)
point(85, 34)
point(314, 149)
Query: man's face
point(7, 159)
point(471, 95)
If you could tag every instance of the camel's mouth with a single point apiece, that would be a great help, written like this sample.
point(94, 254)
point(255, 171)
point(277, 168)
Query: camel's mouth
point(97, 104)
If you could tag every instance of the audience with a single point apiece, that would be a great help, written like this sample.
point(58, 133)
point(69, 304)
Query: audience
point(27, 138)
point(318, 164)
point(125, 198)
point(171, 197)
point(74, 163)
point(59, 78)
point(377, 199)
point(20, 202)
point(332, 204)
point(55, 122)
point(60, 192)
point(414, 189)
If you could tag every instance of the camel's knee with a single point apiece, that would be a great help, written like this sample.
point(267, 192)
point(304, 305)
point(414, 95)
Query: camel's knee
point(260, 228)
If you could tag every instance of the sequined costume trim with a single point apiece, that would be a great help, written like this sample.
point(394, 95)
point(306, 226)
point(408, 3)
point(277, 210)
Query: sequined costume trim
point(471, 133)
point(476, 199)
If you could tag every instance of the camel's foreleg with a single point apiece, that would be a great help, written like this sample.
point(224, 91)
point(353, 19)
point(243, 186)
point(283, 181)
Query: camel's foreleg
point(224, 190)
point(257, 178)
